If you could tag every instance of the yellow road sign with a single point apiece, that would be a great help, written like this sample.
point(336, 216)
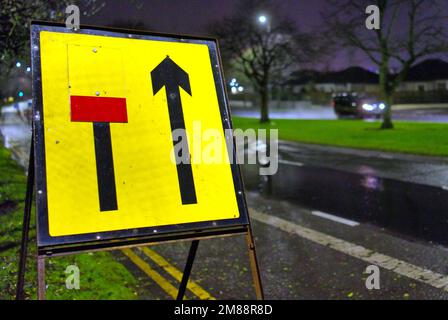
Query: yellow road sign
point(106, 104)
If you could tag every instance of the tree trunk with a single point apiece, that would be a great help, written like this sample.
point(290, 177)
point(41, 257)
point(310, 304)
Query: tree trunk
point(386, 93)
point(264, 95)
point(387, 115)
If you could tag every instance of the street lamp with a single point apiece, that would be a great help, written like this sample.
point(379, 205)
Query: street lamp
point(263, 19)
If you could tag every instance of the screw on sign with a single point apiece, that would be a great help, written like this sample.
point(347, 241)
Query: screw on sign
point(101, 111)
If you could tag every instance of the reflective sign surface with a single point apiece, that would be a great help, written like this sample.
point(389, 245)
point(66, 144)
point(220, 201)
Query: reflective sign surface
point(104, 120)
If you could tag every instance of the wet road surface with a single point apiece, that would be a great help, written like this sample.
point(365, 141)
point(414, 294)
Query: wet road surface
point(424, 170)
point(306, 249)
point(409, 209)
point(295, 267)
point(367, 189)
point(430, 115)
point(315, 112)
point(427, 114)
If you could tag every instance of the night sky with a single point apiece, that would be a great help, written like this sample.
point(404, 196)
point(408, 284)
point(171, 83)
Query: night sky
point(193, 16)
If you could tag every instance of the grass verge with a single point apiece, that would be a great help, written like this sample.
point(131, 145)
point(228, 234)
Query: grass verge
point(101, 277)
point(420, 138)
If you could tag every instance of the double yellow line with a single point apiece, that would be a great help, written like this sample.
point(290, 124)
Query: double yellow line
point(169, 268)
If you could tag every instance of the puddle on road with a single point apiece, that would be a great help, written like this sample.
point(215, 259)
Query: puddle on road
point(414, 210)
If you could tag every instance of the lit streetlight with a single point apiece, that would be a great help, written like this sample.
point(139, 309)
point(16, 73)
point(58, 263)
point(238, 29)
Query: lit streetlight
point(263, 19)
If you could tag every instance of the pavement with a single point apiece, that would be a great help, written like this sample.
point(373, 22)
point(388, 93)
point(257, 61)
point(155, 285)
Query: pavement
point(327, 215)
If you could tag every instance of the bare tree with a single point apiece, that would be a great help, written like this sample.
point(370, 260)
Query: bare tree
point(261, 49)
point(15, 17)
point(409, 31)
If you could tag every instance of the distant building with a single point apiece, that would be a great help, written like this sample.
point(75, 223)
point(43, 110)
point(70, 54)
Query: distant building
point(350, 79)
point(429, 75)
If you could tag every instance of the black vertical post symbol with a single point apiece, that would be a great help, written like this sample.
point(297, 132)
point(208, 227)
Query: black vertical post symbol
point(105, 166)
point(101, 111)
point(169, 75)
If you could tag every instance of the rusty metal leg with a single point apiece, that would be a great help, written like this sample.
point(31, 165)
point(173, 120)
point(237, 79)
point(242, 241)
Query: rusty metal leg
point(20, 293)
point(254, 265)
point(41, 278)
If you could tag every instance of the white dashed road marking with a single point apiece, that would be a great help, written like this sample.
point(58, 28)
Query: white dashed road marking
point(403, 268)
point(331, 217)
point(292, 163)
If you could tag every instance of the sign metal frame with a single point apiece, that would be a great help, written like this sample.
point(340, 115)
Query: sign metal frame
point(48, 246)
point(47, 242)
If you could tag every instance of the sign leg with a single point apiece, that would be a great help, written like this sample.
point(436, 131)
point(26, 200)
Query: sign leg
point(187, 269)
point(20, 293)
point(41, 278)
point(254, 265)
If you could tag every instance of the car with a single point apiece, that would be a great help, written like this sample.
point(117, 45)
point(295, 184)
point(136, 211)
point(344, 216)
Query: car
point(352, 105)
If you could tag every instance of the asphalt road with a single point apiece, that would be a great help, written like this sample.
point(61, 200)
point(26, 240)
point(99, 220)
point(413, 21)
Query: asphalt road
point(430, 115)
point(318, 228)
point(427, 114)
point(318, 223)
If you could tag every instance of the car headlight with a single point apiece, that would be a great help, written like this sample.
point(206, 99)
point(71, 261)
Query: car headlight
point(367, 107)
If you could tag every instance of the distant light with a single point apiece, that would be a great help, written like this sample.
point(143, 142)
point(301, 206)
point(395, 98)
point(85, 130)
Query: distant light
point(235, 85)
point(20, 94)
point(240, 89)
point(262, 19)
point(28, 69)
point(367, 107)
point(18, 64)
point(382, 106)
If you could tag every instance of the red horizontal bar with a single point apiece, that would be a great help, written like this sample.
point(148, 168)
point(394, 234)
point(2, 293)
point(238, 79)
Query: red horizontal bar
point(98, 109)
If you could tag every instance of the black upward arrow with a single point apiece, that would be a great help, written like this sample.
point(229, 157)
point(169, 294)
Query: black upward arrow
point(169, 75)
